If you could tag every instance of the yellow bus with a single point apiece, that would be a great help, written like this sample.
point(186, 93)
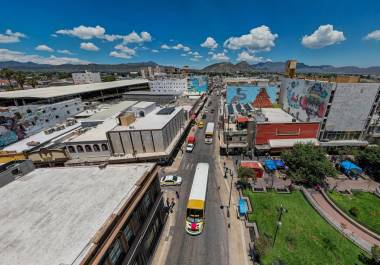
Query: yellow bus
point(196, 206)
point(209, 133)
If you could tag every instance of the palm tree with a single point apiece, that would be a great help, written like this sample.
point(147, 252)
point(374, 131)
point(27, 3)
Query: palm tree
point(8, 74)
point(20, 78)
point(33, 81)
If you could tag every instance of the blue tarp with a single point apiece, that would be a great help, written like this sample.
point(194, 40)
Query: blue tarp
point(243, 207)
point(279, 163)
point(349, 168)
point(270, 164)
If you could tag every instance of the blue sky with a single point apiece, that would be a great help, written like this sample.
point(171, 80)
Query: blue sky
point(171, 32)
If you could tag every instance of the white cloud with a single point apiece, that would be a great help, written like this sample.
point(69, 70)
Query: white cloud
point(210, 43)
point(183, 54)
point(83, 32)
point(179, 46)
point(210, 53)
point(194, 59)
point(221, 57)
point(324, 36)
point(64, 51)
point(120, 55)
point(88, 32)
point(251, 58)
point(258, 39)
point(44, 48)
point(374, 35)
point(134, 37)
point(125, 49)
point(11, 37)
point(89, 46)
point(155, 51)
point(9, 55)
point(54, 35)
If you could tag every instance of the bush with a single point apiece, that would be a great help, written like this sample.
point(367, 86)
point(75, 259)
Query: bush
point(328, 244)
point(354, 211)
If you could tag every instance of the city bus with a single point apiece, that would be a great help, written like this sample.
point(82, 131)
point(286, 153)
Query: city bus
point(196, 206)
point(209, 133)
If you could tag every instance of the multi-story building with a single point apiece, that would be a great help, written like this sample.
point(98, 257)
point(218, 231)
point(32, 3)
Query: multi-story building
point(169, 85)
point(344, 110)
point(19, 122)
point(82, 215)
point(86, 78)
point(153, 135)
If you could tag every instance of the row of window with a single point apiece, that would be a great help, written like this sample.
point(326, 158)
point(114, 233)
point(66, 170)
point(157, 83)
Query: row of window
point(88, 148)
point(120, 247)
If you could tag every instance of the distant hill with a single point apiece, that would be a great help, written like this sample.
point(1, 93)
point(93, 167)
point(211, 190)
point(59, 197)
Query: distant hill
point(127, 67)
point(280, 66)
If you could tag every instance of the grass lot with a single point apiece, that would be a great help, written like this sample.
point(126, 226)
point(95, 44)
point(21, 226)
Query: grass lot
point(367, 205)
point(304, 237)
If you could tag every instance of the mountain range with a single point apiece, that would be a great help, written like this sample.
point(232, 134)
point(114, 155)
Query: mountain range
point(280, 67)
point(241, 67)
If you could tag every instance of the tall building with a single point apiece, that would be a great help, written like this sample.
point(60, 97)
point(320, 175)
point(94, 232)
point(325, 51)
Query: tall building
point(344, 110)
point(86, 78)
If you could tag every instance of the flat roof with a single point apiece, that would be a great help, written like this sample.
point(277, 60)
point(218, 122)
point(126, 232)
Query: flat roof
point(151, 93)
point(276, 115)
point(50, 215)
point(143, 104)
point(152, 121)
point(97, 133)
point(112, 111)
point(40, 137)
point(58, 91)
point(278, 143)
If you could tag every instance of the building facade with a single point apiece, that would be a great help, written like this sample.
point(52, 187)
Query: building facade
point(169, 85)
point(344, 110)
point(86, 78)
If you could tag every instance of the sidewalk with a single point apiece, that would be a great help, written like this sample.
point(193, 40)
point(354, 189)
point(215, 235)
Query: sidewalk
point(238, 236)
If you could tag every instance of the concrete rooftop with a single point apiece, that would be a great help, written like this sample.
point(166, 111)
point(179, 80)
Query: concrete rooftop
point(49, 216)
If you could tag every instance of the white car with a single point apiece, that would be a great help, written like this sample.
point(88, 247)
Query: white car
point(189, 148)
point(171, 180)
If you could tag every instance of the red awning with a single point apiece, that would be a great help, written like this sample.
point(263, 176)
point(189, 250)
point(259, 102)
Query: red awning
point(242, 119)
point(251, 164)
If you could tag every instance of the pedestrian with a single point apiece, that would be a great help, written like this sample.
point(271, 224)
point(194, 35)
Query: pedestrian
point(177, 194)
point(167, 202)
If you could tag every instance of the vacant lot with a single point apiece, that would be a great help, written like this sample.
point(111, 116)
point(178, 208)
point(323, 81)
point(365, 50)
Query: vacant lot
point(364, 207)
point(304, 237)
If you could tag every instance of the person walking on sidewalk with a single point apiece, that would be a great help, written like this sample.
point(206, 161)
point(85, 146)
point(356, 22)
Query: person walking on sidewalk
point(177, 194)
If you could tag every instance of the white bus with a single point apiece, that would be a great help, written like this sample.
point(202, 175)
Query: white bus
point(195, 214)
point(209, 133)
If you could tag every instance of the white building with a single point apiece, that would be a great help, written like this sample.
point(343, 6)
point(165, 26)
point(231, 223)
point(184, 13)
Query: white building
point(171, 85)
point(153, 134)
point(86, 78)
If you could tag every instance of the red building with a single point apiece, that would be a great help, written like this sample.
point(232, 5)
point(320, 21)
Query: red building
point(256, 166)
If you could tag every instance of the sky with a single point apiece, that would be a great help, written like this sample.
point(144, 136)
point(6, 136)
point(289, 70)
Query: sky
point(194, 33)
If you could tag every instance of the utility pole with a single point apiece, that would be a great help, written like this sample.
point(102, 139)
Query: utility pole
point(278, 224)
point(229, 200)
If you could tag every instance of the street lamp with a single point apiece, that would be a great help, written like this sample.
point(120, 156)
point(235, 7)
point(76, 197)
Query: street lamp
point(279, 223)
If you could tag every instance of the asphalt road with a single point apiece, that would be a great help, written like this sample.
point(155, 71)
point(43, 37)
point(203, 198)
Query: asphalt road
point(210, 247)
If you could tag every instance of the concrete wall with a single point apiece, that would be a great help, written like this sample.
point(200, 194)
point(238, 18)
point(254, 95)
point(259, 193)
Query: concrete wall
point(97, 149)
point(14, 169)
point(351, 106)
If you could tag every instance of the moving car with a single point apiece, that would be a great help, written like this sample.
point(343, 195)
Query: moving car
point(200, 124)
point(171, 180)
point(190, 143)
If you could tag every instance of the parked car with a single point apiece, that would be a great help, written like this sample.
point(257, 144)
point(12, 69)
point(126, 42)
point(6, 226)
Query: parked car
point(212, 110)
point(171, 180)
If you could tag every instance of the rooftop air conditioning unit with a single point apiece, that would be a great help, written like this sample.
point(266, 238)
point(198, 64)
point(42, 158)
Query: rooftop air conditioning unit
point(294, 120)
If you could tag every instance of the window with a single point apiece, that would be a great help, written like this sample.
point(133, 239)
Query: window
point(96, 148)
point(57, 116)
point(80, 149)
point(116, 252)
point(68, 112)
point(71, 149)
point(104, 147)
point(88, 148)
point(129, 235)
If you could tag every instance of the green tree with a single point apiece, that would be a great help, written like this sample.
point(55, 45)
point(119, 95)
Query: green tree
point(308, 164)
point(369, 160)
point(20, 78)
point(8, 74)
point(33, 81)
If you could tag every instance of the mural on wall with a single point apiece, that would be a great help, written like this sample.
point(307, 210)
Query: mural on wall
point(198, 84)
point(247, 93)
point(306, 99)
point(11, 130)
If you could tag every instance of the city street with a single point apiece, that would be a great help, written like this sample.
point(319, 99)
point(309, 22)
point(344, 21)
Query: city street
point(211, 247)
